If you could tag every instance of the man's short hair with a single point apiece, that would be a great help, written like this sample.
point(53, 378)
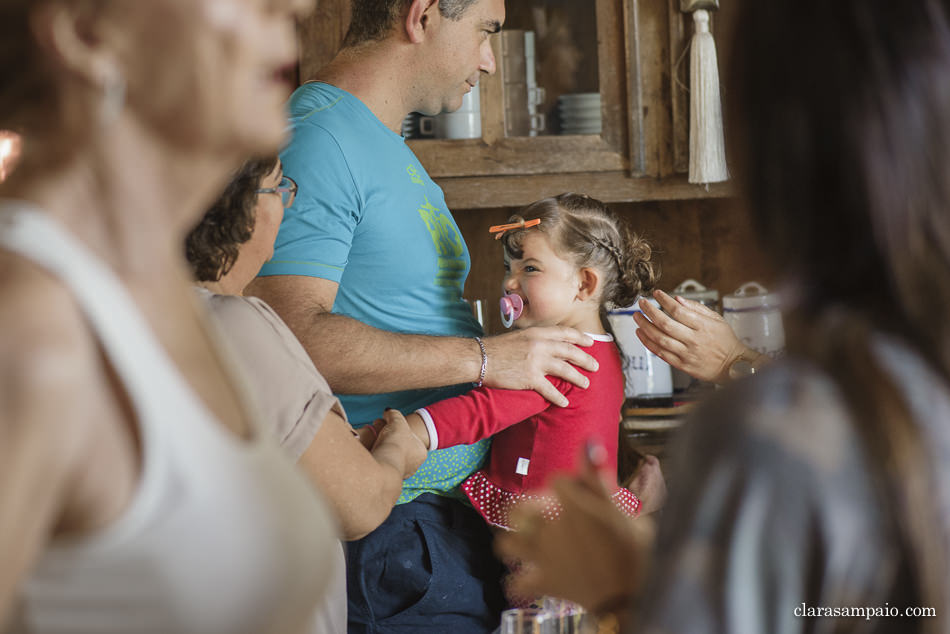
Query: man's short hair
point(372, 20)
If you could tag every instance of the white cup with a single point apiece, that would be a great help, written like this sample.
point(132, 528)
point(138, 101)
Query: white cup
point(458, 125)
point(470, 102)
point(464, 123)
point(755, 316)
point(647, 375)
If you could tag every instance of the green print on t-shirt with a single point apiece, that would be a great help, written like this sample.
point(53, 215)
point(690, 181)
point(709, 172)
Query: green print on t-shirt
point(448, 242)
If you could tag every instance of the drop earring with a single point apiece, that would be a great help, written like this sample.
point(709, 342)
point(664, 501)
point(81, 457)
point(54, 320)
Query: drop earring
point(113, 96)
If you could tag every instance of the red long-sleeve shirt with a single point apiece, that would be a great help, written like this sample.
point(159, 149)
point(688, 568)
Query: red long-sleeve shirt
point(534, 439)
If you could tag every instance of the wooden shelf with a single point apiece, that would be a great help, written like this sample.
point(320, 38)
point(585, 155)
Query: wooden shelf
point(613, 187)
point(510, 156)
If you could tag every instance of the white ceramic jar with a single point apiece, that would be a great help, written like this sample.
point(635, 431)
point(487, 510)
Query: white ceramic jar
point(691, 289)
point(755, 316)
point(646, 375)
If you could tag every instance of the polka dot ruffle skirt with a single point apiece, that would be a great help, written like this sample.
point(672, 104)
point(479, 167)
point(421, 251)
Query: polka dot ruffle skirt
point(494, 503)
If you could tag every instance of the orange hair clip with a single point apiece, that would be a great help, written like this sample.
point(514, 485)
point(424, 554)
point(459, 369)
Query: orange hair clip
point(524, 224)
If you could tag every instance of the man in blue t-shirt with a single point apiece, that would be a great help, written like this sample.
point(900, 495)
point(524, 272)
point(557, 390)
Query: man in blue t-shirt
point(368, 271)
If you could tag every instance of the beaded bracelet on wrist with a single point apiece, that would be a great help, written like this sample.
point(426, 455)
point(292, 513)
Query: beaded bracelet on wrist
point(484, 368)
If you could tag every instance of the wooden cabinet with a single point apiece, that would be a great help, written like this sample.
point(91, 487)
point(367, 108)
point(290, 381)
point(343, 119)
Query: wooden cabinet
point(634, 58)
point(634, 52)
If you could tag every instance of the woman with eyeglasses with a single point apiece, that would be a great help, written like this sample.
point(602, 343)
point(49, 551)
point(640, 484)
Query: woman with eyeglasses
point(236, 235)
point(361, 483)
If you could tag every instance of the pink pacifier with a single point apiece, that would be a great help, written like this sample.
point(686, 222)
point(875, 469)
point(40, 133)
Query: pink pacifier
point(511, 307)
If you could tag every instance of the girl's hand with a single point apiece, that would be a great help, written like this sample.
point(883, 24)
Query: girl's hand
point(690, 337)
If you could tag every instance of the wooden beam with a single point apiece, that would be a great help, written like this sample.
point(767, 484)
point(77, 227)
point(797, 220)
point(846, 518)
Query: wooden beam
point(517, 155)
point(515, 191)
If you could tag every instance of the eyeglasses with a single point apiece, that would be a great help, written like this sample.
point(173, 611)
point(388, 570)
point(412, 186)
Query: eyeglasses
point(287, 190)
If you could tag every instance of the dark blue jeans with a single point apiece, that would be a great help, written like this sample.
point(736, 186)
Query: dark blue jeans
point(428, 568)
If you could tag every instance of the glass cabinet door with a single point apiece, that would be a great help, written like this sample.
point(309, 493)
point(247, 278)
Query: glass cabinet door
point(560, 110)
point(548, 68)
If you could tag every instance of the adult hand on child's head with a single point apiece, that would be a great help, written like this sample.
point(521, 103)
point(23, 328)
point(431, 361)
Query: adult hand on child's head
point(394, 432)
point(522, 360)
point(689, 336)
point(592, 554)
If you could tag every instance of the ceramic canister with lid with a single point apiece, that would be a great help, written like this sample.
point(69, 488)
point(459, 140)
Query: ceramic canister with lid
point(754, 314)
point(691, 289)
point(646, 375)
point(708, 297)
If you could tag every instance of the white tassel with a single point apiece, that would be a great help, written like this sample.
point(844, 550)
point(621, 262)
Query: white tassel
point(707, 152)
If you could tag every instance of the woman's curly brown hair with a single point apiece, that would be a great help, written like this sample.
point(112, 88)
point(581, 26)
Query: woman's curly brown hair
point(212, 246)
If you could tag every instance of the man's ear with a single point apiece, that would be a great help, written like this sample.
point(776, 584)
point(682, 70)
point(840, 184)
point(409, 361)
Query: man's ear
point(588, 285)
point(419, 19)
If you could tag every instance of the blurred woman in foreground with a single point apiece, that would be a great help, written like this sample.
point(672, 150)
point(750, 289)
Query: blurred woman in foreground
point(822, 483)
point(136, 492)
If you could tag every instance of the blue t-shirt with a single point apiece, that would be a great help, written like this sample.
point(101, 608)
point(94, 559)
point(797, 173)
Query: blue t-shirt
point(368, 217)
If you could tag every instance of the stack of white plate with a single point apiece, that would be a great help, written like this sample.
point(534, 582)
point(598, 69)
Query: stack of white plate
point(580, 113)
point(410, 125)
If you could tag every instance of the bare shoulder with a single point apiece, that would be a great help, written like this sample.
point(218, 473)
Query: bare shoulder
point(47, 359)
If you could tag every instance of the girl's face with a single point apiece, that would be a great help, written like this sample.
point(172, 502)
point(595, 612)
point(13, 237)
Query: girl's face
point(547, 283)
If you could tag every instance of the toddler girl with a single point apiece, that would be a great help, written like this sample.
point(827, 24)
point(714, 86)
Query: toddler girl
point(568, 260)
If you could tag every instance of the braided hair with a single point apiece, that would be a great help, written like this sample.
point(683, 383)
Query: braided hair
point(585, 232)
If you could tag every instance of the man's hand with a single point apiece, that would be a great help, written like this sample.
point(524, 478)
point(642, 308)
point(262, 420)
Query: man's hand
point(689, 336)
point(521, 360)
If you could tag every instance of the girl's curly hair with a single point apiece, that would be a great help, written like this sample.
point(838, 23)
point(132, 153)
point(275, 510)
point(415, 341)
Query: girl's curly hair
point(584, 230)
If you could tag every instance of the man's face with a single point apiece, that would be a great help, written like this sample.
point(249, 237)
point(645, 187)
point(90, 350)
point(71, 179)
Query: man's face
point(461, 52)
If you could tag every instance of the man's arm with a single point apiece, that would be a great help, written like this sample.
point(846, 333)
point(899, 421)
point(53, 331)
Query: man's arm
point(356, 358)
